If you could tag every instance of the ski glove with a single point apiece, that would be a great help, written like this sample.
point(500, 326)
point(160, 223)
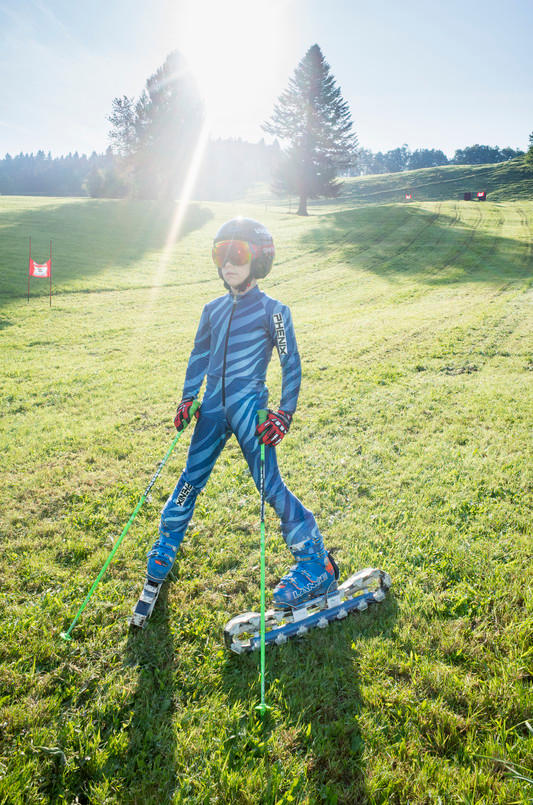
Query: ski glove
point(274, 428)
point(183, 416)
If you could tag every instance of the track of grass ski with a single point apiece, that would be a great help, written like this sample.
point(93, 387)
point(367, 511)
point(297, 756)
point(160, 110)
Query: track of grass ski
point(411, 444)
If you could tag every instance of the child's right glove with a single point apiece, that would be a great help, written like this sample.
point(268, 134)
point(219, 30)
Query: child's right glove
point(183, 416)
point(274, 428)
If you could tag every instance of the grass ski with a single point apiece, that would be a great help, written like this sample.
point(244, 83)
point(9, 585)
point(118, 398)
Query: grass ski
point(242, 633)
point(146, 603)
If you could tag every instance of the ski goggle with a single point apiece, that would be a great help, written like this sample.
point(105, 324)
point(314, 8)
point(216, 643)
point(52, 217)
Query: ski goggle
point(236, 252)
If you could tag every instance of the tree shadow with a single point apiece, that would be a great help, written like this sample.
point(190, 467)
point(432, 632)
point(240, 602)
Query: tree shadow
point(315, 685)
point(89, 237)
point(433, 247)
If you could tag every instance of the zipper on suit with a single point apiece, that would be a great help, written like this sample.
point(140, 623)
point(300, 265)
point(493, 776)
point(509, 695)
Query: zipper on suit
point(234, 303)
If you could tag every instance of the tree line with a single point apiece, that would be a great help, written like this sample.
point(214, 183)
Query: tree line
point(156, 138)
point(402, 159)
point(230, 166)
point(41, 174)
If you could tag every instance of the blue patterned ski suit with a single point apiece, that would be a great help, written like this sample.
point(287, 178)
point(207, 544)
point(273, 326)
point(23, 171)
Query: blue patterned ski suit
point(232, 348)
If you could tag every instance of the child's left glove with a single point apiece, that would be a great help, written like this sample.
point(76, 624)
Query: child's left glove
point(274, 428)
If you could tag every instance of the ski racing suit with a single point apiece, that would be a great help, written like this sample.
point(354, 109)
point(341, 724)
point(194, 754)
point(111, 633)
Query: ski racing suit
point(232, 348)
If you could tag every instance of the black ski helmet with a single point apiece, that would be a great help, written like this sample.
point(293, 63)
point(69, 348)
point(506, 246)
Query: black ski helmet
point(257, 235)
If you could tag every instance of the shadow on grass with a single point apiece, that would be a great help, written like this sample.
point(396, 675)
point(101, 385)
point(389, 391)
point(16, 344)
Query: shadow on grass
point(148, 766)
point(430, 246)
point(315, 685)
point(89, 236)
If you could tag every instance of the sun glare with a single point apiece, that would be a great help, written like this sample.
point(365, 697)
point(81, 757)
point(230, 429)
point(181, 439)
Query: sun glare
point(232, 49)
point(182, 203)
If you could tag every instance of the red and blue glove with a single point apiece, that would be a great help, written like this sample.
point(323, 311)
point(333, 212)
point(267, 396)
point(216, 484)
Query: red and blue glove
point(274, 428)
point(183, 414)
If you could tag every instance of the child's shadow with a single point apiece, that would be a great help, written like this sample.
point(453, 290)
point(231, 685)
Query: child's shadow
point(149, 758)
point(314, 686)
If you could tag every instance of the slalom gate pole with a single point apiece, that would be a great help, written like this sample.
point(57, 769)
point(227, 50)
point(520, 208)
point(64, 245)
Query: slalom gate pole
point(66, 635)
point(262, 415)
point(29, 264)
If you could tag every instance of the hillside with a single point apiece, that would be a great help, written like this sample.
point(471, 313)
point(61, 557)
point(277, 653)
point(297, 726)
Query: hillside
point(410, 444)
point(502, 182)
point(505, 181)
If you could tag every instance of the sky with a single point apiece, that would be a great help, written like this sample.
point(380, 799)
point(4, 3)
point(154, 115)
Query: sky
point(429, 75)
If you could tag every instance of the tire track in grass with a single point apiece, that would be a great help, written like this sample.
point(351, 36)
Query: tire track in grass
point(410, 243)
point(497, 327)
point(408, 336)
point(492, 221)
point(450, 261)
point(398, 339)
point(414, 239)
point(427, 224)
point(502, 217)
point(525, 222)
point(505, 218)
point(398, 343)
point(496, 232)
point(387, 236)
point(390, 234)
point(348, 239)
point(444, 233)
point(441, 235)
point(445, 321)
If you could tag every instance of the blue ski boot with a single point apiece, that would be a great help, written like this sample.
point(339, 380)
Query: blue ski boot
point(161, 558)
point(313, 576)
point(160, 561)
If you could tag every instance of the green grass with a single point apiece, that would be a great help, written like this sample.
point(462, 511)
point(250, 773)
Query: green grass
point(504, 181)
point(411, 444)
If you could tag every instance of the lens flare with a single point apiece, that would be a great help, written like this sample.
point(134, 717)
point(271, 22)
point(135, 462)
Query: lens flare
point(174, 233)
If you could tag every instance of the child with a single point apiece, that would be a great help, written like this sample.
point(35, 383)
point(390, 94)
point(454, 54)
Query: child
point(232, 349)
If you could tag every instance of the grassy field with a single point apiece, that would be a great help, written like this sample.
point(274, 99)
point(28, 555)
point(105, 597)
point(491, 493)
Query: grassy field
point(411, 444)
point(503, 181)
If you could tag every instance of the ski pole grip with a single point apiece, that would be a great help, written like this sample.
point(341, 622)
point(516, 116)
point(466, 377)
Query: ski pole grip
point(194, 407)
point(262, 415)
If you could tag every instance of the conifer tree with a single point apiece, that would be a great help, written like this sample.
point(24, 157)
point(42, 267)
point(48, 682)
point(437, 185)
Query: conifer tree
point(156, 136)
point(313, 122)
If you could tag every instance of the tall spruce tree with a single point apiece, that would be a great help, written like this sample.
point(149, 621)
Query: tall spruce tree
point(156, 136)
point(313, 122)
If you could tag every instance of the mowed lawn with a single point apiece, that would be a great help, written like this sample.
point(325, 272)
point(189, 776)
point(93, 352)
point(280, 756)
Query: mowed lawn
point(411, 444)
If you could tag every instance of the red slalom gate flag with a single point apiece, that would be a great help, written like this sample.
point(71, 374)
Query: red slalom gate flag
point(40, 269)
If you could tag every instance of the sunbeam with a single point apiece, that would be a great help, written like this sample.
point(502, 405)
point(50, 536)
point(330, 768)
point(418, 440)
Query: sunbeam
point(173, 236)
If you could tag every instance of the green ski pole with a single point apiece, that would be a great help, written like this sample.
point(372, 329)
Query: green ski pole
point(66, 635)
point(262, 415)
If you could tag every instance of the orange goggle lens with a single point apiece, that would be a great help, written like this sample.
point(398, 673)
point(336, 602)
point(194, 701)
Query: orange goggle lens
point(236, 252)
